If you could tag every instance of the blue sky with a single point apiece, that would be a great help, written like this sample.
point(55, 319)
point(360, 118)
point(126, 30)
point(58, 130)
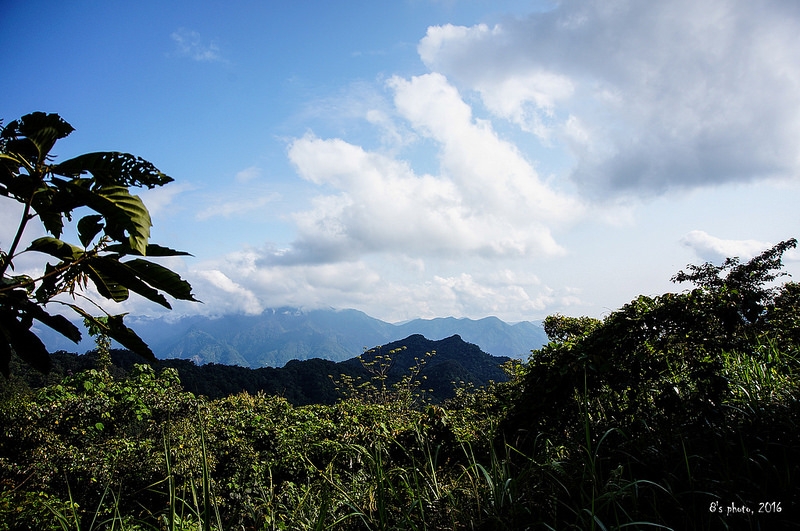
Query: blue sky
point(427, 158)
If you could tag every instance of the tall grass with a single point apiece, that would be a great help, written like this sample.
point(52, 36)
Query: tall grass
point(190, 507)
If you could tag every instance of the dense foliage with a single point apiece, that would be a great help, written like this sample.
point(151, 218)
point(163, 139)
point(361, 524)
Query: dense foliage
point(114, 227)
point(675, 402)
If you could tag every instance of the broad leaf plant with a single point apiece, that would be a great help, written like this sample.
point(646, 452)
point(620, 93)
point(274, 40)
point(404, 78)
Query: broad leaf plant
point(113, 233)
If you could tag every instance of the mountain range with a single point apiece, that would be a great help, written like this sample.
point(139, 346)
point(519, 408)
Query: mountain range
point(279, 335)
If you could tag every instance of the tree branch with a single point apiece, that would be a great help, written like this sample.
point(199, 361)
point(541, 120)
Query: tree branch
point(14, 244)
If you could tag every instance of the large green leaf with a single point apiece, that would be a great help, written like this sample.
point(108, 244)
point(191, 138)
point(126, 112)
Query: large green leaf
point(135, 218)
point(19, 304)
point(52, 204)
point(114, 327)
point(122, 211)
point(162, 278)
point(89, 227)
point(114, 169)
point(57, 248)
point(41, 129)
point(59, 323)
point(152, 249)
point(25, 343)
point(53, 221)
point(107, 286)
point(128, 338)
point(117, 276)
point(19, 185)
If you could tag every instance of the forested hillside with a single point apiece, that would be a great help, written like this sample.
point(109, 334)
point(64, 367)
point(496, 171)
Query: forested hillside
point(444, 365)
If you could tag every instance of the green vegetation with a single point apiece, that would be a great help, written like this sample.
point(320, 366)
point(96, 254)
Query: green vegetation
point(114, 225)
point(301, 382)
point(674, 412)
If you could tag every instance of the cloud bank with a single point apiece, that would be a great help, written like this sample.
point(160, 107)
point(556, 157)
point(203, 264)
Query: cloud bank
point(644, 99)
point(647, 96)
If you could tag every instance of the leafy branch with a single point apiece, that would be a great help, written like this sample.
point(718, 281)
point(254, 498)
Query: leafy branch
point(114, 239)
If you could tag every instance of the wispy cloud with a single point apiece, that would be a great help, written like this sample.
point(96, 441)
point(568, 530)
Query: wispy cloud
point(248, 174)
point(246, 195)
point(162, 201)
point(188, 43)
point(236, 207)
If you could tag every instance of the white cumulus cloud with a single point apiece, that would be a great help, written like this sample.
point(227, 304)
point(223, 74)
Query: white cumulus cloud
point(225, 295)
point(486, 199)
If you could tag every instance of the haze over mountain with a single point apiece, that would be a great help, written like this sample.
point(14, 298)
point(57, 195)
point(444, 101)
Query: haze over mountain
point(280, 335)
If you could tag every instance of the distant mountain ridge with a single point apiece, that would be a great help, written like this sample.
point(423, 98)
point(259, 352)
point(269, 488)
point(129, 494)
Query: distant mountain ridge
point(279, 335)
